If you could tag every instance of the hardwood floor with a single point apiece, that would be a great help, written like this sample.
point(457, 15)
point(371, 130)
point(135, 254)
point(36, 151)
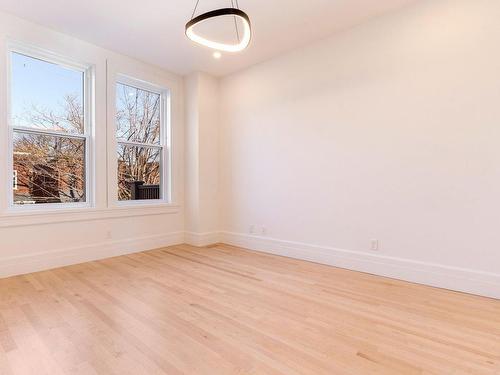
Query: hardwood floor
point(224, 310)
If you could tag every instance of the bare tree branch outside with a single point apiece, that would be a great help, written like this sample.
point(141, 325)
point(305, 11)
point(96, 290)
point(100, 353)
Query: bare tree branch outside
point(49, 143)
point(49, 158)
point(138, 121)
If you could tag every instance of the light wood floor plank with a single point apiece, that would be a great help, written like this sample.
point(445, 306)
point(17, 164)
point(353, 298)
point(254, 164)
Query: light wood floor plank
point(223, 310)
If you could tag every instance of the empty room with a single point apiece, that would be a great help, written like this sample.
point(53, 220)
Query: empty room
point(250, 187)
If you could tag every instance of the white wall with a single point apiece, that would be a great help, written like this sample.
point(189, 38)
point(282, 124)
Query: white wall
point(389, 131)
point(201, 93)
point(37, 241)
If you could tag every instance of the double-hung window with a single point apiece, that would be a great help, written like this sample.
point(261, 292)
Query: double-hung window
point(50, 128)
point(142, 141)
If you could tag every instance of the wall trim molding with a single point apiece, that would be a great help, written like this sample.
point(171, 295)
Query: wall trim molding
point(23, 264)
point(201, 239)
point(454, 278)
point(18, 218)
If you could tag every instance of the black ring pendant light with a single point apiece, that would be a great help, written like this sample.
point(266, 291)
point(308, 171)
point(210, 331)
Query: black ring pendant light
point(236, 13)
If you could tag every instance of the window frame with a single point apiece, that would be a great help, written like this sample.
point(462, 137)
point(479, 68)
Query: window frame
point(88, 71)
point(164, 146)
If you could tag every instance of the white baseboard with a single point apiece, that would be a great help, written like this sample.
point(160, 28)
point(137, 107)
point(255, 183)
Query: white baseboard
point(441, 276)
point(202, 239)
point(437, 275)
point(42, 261)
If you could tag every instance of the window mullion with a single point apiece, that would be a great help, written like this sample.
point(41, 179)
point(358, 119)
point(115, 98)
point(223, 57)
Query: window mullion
point(23, 129)
point(139, 144)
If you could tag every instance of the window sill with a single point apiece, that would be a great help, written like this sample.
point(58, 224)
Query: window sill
point(18, 219)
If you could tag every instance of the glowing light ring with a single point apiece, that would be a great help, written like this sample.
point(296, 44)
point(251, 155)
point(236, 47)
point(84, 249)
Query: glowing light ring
point(243, 43)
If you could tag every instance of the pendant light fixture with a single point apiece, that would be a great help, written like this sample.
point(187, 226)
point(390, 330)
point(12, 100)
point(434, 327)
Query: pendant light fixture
point(234, 11)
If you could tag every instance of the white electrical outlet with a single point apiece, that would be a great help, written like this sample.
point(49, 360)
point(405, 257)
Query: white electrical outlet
point(263, 231)
point(374, 245)
point(251, 229)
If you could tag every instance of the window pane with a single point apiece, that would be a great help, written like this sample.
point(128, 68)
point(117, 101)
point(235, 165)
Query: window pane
point(137, 115)
point(46, 95)
point(48, 169)
point(138, 173)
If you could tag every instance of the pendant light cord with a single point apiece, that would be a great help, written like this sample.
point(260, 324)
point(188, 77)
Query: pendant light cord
point(235, 22)
point(195, 7)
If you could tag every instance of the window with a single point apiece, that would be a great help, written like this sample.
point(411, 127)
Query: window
point(141, 134)
point(49, 131)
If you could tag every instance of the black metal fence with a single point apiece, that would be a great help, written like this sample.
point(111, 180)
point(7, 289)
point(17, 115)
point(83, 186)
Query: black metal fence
point(139, 191)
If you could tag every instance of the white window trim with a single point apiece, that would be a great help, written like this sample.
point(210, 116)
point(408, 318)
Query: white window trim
point(89, 115)
point(165, 143)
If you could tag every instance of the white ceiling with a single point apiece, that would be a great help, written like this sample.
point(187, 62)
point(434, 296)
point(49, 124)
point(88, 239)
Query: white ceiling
point(153, 30)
